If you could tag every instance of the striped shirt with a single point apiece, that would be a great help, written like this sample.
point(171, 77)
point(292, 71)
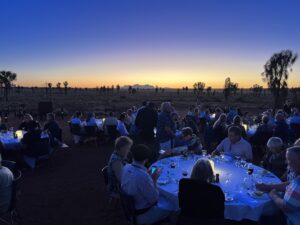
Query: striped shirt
point(292, 201)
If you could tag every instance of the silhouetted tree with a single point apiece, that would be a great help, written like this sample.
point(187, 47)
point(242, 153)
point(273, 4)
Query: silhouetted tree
point(256, 89)
point(229, 87)
point(6, 80)
point(66, 87)
point(50, 87)
point(58, 86)
point(118, 87)
point(130, 89)
point(208, 90)
point(276, 74)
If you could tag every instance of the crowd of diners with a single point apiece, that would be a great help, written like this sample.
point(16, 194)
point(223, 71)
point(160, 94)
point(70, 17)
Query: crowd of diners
point(143, 132)
point(275, 138)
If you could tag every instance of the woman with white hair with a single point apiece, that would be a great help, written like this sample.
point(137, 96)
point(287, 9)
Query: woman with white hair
point(198, 197)
point(274, 160)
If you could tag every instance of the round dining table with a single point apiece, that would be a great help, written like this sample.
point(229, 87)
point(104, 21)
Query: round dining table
point(241, 199)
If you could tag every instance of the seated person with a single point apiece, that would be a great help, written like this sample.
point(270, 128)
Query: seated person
point(2, 125)
point(31, 139)
point(116, 164)
point(121, 128)
point(187, 139)
point(25, 123)
point(237, 122)
point(76, 118)
point(281, 128)
point(290, 203)
point(263, 133)
point(111, 120)
point(138, 183)
point(52, 127)
point(274, 160)
point(235, 145)
point(91, 120)
point(6, 179)
point(198, 198)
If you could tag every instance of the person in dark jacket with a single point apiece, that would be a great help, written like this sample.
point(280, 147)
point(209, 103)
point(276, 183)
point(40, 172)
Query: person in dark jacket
point(145, 121)
point(54, 130)
point(281, 128)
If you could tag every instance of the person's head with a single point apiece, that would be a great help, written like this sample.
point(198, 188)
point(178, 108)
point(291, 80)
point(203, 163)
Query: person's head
point(218, 110)
point(279, 116)
point(166, 107)
point(234, 134)
point(140, 153)
point(90, 115)
point(28, 117)
point(123, 116)
point(237, 120)
point(203, 171)
point(78, 114)
point(32, 125)
point(297, 142)
point(50, 117)
point(129, 112)
point(123, 145)
point(144, 103)
point(293, 159)
point(187, 133)
point(111, 114)
point(151, 105)
point(275, 145)
point(265, 119)
point(223, 118)
point(175, 117)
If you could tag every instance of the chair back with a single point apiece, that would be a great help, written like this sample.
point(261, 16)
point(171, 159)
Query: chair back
point(127, 202)
point(40, 148)
point(15, 189)
point(105, 174)
point(11, 165)
point(75, 129)
point(90, 131)
point(112, 132)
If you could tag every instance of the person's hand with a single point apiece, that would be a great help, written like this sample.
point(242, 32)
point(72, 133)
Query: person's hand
point(263, 187)
point(273, 193)
point(155, 175)
point(215, 152)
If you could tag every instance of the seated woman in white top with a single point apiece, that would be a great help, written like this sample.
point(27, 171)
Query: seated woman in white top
point(76, 119)
point(121, 127)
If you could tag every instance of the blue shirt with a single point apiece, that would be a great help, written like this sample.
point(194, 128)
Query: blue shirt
point(76, 120)
point(295, 119)
point(91, 122)
point(138, 183)
point(292, 201)
point(121, 128)
point(164, 120)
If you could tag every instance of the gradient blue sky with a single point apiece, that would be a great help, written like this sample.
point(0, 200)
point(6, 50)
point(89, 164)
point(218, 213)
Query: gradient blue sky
point(165, 42)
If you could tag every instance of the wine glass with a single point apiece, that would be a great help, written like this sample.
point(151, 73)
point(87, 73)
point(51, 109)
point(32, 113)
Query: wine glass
point(204, 152)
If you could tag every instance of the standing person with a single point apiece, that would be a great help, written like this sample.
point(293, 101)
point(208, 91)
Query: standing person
point(146, 121)
point(281, 128)
point(25, 123)
point(165, 126)
point(76, 118)
point(2, 125)
point(6, 179)
point(290, 203)
point(138, 183)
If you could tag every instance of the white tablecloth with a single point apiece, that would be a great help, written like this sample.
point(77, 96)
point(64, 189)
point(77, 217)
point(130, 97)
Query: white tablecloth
point(9, 142)
point(232, 183)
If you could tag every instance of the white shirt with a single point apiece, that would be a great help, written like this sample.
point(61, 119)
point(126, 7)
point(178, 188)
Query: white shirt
point(241, 148)
point(122, 129)
point(6, 179)
point(138, 183)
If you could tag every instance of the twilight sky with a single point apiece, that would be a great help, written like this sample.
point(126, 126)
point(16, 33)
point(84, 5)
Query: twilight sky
point(169, 43)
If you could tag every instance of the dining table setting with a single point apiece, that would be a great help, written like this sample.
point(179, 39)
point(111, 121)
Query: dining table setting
point(235, 176)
